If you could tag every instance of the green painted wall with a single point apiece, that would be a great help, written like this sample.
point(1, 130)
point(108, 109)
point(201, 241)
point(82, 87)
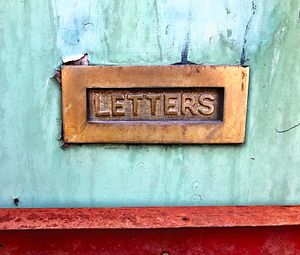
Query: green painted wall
point(35, 34)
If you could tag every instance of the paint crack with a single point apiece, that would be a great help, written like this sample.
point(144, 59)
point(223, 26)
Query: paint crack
point(243, 58)
point(289, 129)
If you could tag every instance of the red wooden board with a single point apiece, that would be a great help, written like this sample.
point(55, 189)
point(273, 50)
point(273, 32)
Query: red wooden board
point(149, 217)
point(212, 241)
point(158, 230)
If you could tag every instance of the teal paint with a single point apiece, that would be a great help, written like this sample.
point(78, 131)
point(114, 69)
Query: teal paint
point(34, 35)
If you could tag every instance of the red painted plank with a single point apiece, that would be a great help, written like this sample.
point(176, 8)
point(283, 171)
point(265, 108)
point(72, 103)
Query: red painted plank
point(148, 217)
point(208, 241)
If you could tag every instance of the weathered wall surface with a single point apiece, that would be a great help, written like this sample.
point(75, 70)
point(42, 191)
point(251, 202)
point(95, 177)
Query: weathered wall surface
point(34, 34)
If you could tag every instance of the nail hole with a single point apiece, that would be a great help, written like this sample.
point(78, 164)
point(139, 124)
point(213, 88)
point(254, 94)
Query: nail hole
point(185, 219)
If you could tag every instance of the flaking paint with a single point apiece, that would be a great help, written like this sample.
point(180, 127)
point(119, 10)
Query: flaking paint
point(34, 35)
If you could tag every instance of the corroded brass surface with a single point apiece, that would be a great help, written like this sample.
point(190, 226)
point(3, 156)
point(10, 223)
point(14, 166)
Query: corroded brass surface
point(168, 104)
point(162, 104)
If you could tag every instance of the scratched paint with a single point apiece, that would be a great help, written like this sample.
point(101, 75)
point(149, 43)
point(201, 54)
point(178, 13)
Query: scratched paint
point(34, 35)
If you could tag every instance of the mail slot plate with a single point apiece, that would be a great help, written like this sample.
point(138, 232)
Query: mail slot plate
point(167, 104)
point(154, 104)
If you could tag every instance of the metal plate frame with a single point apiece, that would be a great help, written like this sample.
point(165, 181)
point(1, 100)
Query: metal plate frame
point(77, 79)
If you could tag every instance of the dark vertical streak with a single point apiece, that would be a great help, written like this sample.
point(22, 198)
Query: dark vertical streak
point(27, 39)
point(185, 50)
point(52, 27)
point(186, 47)
point(157, 29)
point(243, 58)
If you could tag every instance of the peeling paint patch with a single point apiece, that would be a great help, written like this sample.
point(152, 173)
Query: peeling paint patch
point(76, 60)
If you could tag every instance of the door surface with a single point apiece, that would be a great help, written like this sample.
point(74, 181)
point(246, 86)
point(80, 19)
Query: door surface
point(38, 172)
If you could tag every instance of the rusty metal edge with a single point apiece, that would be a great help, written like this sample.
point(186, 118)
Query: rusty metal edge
point(148, 217)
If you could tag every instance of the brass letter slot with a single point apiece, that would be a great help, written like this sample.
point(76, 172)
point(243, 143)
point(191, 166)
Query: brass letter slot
point(163, 104)
point(169, 104)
